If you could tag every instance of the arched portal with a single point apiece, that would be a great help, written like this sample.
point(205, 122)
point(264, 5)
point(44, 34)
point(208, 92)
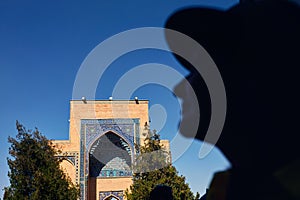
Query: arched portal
point(106, 155)
point(110, 156)
point(111, 197)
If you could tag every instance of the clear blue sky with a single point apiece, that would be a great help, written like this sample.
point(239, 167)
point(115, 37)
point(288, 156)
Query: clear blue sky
point(42, 45)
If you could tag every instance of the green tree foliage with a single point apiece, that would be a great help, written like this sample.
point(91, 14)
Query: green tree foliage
point(197, 196)
point(153, 167)
point(35, 173)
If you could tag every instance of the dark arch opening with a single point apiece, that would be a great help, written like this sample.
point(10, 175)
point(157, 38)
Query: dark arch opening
point(111, 197)
point(110, 156)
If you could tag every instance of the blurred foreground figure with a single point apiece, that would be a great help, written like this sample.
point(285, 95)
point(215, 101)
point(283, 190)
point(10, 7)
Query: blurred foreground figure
point(256, 47)
point(161, 192)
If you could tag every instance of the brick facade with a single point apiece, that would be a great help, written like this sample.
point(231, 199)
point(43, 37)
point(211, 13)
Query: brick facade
point(90, 121)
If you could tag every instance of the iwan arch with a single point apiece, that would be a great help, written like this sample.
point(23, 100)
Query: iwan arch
point(100, 150)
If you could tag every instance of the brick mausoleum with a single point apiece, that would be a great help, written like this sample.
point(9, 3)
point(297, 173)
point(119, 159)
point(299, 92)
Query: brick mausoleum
point(100, 150)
